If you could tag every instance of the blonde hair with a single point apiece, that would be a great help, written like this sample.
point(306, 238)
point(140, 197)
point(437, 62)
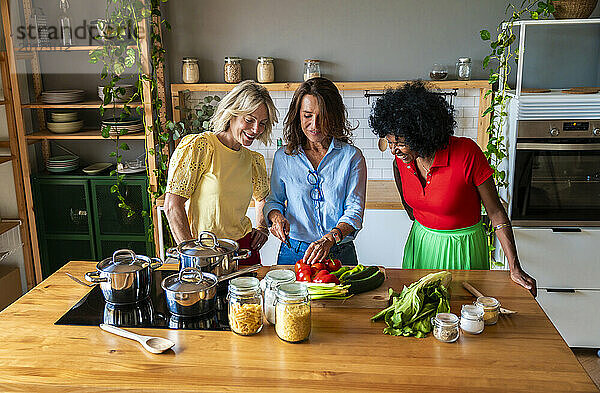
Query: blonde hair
point(244, 99)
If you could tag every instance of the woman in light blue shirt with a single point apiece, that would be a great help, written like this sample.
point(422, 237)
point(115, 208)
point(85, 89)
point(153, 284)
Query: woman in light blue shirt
point(318, 181)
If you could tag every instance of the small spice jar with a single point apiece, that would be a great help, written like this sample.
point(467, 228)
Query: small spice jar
point(272, 281)
point(312, 69)
point(491, 309)
point(190, 72)
point(245, 306)
point(463, 68)
point(445, 327)
point(232, 70)
point(471, 319)
point(292, 313)
point(265, 70)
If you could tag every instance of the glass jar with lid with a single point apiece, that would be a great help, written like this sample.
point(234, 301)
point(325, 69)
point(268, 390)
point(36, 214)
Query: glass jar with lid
point(445, 327)
point(245, 306)
point(471, 319)
point(265, 70)
point(491, 309)
point(292, 313)
point(272, 281)
point(463, 68)
point(190, 73)
point(232, 70)
point(312, 68)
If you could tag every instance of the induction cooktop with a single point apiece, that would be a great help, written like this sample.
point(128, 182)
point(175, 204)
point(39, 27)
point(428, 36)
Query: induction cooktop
point(92, 310)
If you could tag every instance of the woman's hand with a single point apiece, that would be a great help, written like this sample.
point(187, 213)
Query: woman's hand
point(319, 249)
point(281, 226)
point(258, 238)
point(525, 280)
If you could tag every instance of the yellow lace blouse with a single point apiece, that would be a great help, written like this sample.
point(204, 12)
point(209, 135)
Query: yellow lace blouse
point(219, 183)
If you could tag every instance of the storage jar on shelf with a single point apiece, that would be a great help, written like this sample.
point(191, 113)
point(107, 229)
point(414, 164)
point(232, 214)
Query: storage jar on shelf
point(265, 70)
point(190, 73)
point(312, 69)
point(463, 68)
point(232, 70)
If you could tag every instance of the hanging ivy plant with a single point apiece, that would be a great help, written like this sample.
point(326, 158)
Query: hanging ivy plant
point(122, 39)
point(499, 61)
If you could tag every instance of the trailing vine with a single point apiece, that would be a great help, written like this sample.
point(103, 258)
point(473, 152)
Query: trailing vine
point(121, 33)
point(499, 62)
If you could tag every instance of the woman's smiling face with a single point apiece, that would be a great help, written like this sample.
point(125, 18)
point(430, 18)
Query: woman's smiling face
point(245, 129)
point(400, 149)
point(310, 118)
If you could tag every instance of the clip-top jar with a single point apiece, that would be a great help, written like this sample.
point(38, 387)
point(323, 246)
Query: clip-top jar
point(272, 280)
point(265, 70)
point(312, 69)
point(190, 73)
point(232, 70)
point(245, 306)
point(491, 309)
point(471, 319)
point(445, 327)
point(292, 313)
point(463, 68)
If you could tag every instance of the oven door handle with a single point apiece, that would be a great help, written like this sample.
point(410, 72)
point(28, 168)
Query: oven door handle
point(559, 146)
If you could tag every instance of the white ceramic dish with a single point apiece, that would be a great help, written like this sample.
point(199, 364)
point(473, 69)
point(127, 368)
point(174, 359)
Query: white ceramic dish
point(128, 171)
point(97, 168)
point(66, 127)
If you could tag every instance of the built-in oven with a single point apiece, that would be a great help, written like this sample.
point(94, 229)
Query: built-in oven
point(557, 174)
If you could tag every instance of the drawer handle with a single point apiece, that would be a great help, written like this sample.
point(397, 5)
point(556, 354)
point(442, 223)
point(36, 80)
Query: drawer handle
point(571, 230)
point(560, 290)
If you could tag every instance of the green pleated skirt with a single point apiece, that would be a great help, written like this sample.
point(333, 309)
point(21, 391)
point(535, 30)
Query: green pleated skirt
point(464, 248)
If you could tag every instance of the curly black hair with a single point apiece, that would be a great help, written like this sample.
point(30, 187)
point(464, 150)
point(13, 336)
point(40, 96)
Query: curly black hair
point(424, 119)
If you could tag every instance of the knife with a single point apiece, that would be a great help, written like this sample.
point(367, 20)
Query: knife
point(476, 293)
point(287, 241)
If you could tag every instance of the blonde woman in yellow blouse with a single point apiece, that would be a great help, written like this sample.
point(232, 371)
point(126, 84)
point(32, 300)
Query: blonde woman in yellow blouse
point(220, 175)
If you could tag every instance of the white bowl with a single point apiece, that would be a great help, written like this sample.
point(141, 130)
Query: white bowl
point(65, 128)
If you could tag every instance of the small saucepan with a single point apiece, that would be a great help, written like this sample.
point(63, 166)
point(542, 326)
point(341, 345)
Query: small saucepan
point(192, 292)
point(209, 254)
point(125, 278)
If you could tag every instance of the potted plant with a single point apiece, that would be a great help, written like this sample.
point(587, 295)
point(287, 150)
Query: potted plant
point(196, 119)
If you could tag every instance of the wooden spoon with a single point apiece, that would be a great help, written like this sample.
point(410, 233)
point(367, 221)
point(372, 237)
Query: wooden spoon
point(150, 343)
point(476, 293)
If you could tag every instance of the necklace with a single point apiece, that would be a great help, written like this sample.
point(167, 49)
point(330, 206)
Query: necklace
point(427, 169)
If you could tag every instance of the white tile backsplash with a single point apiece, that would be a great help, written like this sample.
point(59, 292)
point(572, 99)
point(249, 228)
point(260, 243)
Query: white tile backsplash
point(466, 105)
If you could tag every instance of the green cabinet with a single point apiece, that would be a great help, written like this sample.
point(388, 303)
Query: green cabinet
point(78, 218)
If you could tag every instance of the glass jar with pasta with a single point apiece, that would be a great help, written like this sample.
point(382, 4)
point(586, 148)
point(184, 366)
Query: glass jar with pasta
point(245, 306)
point(292, 313)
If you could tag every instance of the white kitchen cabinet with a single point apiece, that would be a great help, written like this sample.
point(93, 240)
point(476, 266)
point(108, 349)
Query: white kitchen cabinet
point(574, 314)
point(380, 242)
point(560, 259)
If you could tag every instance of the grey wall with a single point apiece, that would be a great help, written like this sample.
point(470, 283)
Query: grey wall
point(356, 40)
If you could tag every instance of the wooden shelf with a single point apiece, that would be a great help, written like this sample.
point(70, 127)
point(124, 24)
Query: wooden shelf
point(4, 144)
point(78, 105)
point(292, 86)
point(82, 135)
point(6, 226)
point(4, 159)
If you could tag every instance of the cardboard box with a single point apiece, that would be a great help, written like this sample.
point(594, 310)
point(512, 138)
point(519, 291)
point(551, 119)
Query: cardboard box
point(10, 285)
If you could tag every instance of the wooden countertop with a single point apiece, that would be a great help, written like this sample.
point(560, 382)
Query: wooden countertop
point(345, 352)
point(381, 194)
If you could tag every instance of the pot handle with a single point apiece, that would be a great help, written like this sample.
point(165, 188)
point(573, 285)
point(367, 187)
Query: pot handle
point(243, 254)
point(194, 276)
point(202, 236)
point(172, 252)
point(95, 277)
point(156, 263)
point(124, 251)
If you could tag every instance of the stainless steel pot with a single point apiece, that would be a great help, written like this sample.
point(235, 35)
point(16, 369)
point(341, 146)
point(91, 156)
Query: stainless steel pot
point(125, 278)
point(209, 254)
point(192, 292)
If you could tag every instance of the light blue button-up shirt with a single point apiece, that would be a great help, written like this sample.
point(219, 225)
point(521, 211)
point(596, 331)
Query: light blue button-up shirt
point(342, 176)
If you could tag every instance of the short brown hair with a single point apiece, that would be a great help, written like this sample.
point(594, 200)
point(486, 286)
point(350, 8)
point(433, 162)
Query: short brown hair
point(333, 119)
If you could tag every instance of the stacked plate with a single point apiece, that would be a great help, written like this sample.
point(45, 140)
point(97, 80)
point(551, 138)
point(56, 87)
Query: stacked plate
point(121, 93)
point(64, 123)
point(62, 96)
point(62, 164)
point(120, 127)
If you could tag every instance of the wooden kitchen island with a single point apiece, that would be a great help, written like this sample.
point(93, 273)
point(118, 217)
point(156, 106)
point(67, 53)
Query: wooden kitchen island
point(345, 352)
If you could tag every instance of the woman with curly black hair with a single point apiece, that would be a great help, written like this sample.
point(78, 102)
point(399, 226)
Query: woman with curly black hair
point(442, 180)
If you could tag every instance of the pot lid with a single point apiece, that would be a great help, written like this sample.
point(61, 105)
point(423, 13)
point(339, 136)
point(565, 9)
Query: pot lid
point(207, 245)
point(189, 280)
point(123, 261)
